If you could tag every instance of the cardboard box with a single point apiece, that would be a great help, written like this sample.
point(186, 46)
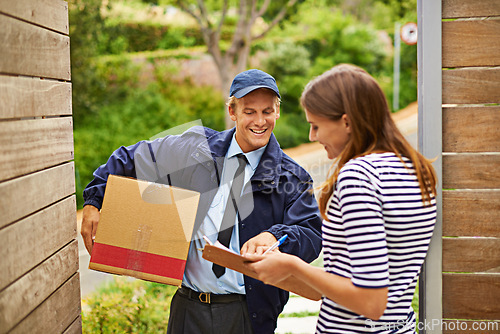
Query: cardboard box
point(144, 230)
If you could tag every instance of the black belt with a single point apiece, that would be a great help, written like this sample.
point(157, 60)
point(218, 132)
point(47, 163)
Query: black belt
point(209, 298)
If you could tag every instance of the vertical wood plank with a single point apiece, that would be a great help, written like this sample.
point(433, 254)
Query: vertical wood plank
point(429, 57)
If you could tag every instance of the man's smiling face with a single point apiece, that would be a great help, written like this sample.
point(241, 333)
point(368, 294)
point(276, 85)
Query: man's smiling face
point(255, 115)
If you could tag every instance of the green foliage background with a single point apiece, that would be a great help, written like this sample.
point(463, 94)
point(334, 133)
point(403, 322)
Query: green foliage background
point(127, 306)
point(132, 111)
point(126, 88)
point(125, 79)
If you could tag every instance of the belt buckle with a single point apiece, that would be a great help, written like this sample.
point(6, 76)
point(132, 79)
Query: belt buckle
point(205, 300)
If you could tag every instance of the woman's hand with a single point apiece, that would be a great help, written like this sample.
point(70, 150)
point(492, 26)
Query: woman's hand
point(273, 267)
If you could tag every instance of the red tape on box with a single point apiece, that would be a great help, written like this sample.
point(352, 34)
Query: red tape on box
point(138, 261)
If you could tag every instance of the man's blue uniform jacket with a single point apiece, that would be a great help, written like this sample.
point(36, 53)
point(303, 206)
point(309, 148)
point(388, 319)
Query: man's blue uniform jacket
point(282, 200)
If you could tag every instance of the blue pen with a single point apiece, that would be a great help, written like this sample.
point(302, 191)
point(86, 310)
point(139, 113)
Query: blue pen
point(276, 244)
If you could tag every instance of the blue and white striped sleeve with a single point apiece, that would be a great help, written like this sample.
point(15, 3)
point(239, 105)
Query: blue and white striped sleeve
point(362, 217)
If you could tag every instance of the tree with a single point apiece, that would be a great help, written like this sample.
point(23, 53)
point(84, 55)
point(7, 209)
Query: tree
point(234, 59)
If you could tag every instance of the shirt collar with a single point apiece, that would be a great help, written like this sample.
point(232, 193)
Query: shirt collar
point(253, 157)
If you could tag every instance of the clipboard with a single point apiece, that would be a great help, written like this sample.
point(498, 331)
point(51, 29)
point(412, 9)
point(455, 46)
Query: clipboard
point(227, 258)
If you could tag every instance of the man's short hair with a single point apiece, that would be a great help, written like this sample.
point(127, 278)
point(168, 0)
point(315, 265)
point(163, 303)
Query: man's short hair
point(233, 101)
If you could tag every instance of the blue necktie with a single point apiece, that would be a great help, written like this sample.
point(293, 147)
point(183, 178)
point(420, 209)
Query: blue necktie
point(228, 220)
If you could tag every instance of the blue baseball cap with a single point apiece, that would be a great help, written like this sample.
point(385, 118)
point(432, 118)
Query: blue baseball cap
point(250, 80)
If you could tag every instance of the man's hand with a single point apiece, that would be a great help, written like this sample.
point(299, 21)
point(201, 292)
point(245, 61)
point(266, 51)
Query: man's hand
point(258, 244)
point(90, 220)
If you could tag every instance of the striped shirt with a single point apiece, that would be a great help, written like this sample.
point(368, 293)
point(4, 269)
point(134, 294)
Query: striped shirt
point(377, 234)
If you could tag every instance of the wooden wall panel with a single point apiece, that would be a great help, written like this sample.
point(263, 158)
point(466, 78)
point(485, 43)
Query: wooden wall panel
point(470, 327)
point(35, 238)
point(470, 8)
point(33, 51)
point(471, 171)
point(471, 255)
point(471, 164)
point(471, 213)
point(22, 196)
point(75, 327)
point(471, 129)
point(24, 295)
point(471, 86)
point(33, 97)
point(39, 280)
point(471, 296)
point(463, 39)
point(56, 313)
point(52, 14)
point(30, 145)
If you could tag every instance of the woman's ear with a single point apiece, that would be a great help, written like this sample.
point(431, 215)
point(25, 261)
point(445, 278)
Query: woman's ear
point(347, 122)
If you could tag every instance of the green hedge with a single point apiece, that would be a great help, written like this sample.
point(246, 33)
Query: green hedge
point(121, 99)
point(136, 37)
point(133, 110)
point(120, 37)
point(126, 305)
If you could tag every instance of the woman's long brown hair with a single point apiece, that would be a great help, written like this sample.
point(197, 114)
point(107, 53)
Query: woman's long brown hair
point(348, 89)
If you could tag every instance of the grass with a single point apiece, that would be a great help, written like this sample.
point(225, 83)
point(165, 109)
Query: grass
point(302, 314)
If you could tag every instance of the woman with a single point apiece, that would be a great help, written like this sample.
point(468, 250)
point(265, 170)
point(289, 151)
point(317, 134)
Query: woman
point(378, 206)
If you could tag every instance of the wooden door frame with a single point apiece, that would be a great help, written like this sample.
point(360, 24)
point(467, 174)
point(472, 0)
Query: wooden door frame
point(429, 54)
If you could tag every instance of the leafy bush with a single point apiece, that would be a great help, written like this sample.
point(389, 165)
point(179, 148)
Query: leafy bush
point(119, 37)
point(341, 39)
point(324, 38)
point(334, 37)
point(118, 100)
point(408, 75)
point(286, 58)
point(291, 130)
point(133, 113)
point(289, 63)
point(85, 28)
point(127, 306)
